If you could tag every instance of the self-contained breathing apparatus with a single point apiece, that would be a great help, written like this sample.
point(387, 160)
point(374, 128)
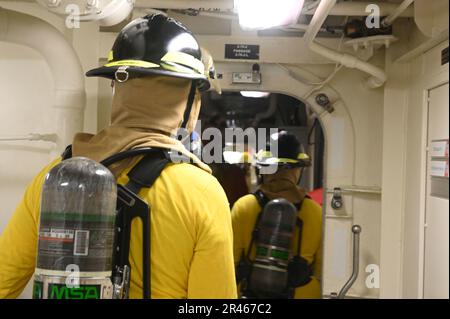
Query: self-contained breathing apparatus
point(275, 272)
point(85, 225)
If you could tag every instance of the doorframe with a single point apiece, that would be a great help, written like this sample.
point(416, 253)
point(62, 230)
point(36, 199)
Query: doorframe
point(437, 82)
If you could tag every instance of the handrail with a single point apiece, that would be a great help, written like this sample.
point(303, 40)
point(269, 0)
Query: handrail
point(356, 189)
point(356, 230)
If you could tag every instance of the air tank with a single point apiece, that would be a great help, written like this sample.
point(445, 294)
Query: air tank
point(76, 232)
point(269, 275)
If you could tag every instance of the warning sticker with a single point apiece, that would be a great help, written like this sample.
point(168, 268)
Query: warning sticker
point(87, 243)
point(439, 148)
point(439, 168)
point(81, 247)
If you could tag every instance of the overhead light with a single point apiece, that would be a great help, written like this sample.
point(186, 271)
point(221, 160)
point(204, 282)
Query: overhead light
point(255, 94)
point(265, 14)
point(232, 157)
point(275, 136)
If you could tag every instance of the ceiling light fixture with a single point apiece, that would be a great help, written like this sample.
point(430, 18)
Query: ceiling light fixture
point(255, 94)
point(265, 14)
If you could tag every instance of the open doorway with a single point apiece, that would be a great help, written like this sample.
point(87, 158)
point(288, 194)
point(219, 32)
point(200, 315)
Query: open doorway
point(263, 110)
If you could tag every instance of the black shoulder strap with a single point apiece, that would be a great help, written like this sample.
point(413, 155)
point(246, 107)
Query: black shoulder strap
point(67, 153)
point(299, 223)
point(131, 206)
point(262, 201)
point(189, 104)
point(145, 173)
point(261, 198)
point(254, 235)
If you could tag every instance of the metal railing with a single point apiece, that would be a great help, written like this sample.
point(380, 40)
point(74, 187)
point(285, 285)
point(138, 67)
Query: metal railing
point(356, 230)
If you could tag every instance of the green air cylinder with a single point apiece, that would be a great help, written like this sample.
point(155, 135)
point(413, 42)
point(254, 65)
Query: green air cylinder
point(269, 275)
point(76, 232)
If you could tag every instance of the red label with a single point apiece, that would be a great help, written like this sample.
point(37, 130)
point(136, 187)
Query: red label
point(446, 168)
point(446, 150)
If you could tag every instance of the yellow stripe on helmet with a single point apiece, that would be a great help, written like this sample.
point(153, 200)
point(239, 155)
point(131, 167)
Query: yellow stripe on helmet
point(137, 63)
point(185, 60)
point(178, 68)
point(110, 56)
point(262, 154)
point(286, 160)
point(303, 156)
point(270, 158)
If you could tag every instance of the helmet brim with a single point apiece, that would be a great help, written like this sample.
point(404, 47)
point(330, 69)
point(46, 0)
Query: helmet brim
point(275, 162)
point(110, 71)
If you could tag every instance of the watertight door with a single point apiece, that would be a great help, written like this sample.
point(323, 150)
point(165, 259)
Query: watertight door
point(436, 271)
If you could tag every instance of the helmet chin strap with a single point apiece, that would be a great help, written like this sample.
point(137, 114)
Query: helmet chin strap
point(189, 104)
point(300, 177)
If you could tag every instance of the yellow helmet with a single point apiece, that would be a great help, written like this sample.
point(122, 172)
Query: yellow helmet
point(289, 152)
point(155, 44)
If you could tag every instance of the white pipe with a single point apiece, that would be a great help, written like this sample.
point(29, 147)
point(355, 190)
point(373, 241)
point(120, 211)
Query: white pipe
point(183, 4)
point(346, 8)
point(153, 11)
point(65, 67)
point(30, 137)
point(218, 15)
point(300, 27)
point(318, 19)
point(378, 77)
point(394, 15)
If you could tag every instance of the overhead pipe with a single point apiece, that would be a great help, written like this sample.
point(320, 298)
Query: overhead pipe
point(183, 4)
point(300, 27)
point(218, 15)
point(394, 15)
point(196, 13)
point(341, 9)
point(346, 8)
point(378, 76)
point(65, 67)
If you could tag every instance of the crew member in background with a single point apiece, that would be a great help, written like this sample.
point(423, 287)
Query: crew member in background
point(282, 184)
point(157, 72)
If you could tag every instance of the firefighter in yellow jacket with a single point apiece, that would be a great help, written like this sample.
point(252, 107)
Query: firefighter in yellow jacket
point(157, 72)
point(305, 272)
